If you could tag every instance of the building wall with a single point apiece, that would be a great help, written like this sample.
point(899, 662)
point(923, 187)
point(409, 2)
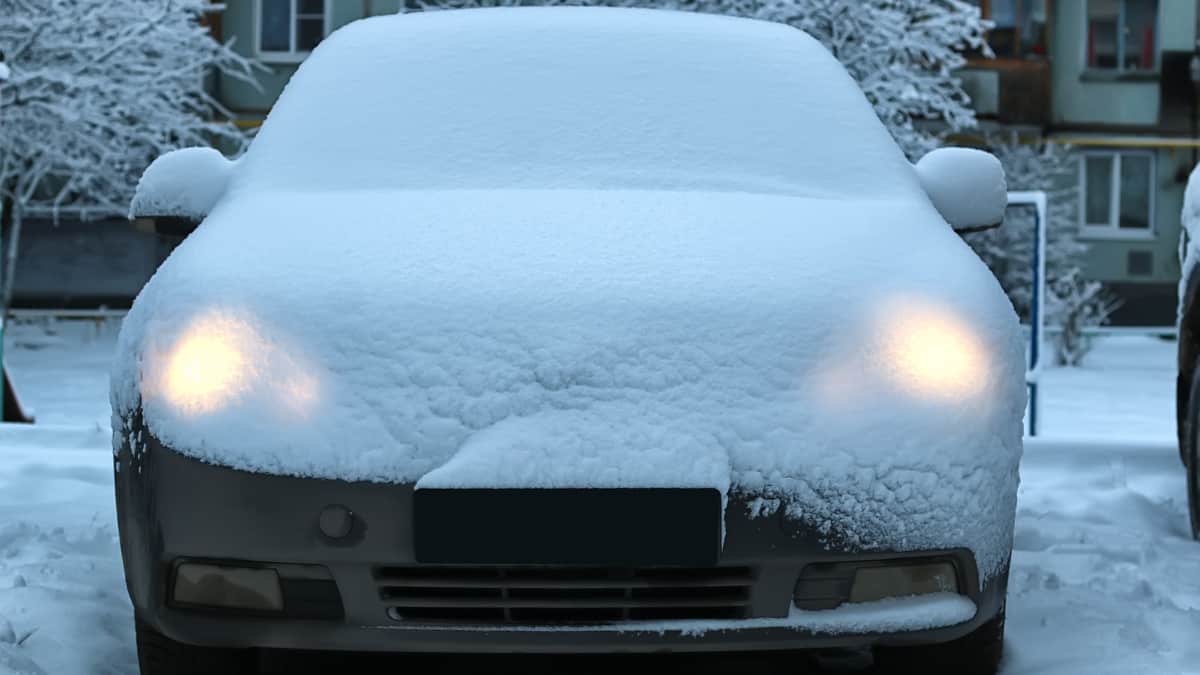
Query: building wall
point(1105, 110)
point(84, 265)
point(1108, 258)
point(1147, 299)
point(1177, 25)
point(1084, 96)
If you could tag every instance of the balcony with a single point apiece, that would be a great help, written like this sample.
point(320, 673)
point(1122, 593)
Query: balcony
point(1009, 91)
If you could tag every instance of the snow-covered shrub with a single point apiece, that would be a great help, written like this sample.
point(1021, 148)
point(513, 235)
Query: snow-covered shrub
point(902, 53)
point(1072, 302)
point(98, 89)
point(1076, 304)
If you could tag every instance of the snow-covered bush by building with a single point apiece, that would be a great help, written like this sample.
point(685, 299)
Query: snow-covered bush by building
point(1073, 302)
point(1076, 304)
point(902, 53)
point(97, 90)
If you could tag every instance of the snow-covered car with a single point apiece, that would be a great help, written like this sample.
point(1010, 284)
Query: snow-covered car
point(540, 330)
point(1187, 381)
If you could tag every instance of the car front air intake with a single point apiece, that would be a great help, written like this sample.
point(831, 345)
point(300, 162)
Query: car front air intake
point(575, 595)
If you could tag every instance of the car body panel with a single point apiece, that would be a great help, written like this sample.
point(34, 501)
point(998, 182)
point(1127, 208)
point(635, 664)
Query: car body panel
point(173, 507)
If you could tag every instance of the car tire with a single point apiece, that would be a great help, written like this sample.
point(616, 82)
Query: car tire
point(160, 655)
point(1191, 419)
point(977, 653)
point(1190, 451)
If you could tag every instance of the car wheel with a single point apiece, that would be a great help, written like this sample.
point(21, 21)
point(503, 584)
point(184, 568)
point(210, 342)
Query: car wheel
point(1191, 419)
point(1191, 439)
point(977, 653)
point(160, 655)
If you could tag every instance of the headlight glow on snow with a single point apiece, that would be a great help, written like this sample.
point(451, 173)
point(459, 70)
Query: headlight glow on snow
point(209, 365)
point(219, 358)
point(932, 352)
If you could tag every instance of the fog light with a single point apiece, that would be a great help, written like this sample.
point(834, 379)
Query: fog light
point(228, 587)
point(336, 521)
point(897, 581)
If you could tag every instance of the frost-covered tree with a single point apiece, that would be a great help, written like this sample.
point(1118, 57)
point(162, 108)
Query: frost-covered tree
point(903, 53)
point(96, 90)
point(1072, 302)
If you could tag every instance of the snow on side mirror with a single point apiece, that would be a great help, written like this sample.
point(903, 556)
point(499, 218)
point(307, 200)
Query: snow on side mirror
point(966, 186)
point(179, 188)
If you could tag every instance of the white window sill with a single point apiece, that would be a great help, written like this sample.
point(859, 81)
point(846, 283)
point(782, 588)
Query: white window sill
point(283, 57)
point(1114, 234)
point(1114, 75)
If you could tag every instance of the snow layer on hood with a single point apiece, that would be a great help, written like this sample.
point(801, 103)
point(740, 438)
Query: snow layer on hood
point(587, 98)
point(575, 448)
point(775, 335)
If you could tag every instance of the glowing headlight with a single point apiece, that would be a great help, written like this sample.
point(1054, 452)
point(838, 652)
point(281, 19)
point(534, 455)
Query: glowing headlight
point(209, 365)
point(931, 352)
point(219, 358)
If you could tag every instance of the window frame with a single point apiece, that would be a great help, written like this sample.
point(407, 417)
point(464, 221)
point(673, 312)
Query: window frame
point(1112, 229)
point(292, 55)
point(1121, 70)
point(985, 12)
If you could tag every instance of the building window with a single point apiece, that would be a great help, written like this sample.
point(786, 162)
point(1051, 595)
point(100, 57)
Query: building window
point(1121, 35)
point(1117, 193)
point(290, 29)
point(1019, 29)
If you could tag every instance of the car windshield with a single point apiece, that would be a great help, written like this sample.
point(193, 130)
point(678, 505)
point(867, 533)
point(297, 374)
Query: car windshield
point(496, 100)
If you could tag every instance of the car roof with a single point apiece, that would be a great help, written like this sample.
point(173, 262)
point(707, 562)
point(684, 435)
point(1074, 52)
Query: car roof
point(587, 98)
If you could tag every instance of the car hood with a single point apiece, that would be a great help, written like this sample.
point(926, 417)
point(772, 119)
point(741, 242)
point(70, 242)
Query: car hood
point(598, 339)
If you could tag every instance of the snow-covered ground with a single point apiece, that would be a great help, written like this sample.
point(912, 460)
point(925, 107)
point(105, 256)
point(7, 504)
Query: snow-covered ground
point(63, 606)
point(1105, 577)
point(1125, 390)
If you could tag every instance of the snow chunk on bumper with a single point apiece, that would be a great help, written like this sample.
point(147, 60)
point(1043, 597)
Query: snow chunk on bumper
point(607, 446)
point(892, 615)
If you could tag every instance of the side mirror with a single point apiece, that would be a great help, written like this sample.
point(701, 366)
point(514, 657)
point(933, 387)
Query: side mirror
point(181, 186)
point(966, 186)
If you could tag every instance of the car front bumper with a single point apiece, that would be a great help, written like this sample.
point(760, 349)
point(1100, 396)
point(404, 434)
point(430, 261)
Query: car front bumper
point(172, 508)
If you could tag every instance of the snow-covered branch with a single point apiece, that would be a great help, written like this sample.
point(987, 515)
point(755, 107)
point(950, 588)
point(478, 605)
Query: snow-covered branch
point(98, 89)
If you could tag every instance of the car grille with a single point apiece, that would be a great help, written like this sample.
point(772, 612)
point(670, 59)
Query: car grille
point(533, 595)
